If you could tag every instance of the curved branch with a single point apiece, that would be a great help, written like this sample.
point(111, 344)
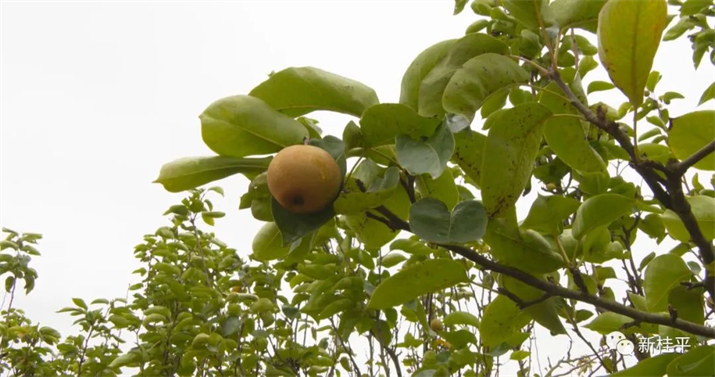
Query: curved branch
point(674, 198)
point(395, 222)
point(684, 165)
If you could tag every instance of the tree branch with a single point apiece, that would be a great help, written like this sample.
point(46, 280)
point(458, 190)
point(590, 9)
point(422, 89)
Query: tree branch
point(674, 198)
point(684, 165)
point(395, 222)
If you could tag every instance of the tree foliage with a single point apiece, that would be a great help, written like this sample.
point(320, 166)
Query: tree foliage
point(421, 266)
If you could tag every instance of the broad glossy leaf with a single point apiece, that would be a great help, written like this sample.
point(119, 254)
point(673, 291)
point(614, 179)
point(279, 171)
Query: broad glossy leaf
point(509, 153)
point(629, 33)
point(663, 273)
point(697, 362)
point(300, 90)
point(426, 156)
point(703, 208)
point(548, 213)
point(293, 226)
point(708, 94)
point(191, 172)
point(433, 86)
point(433, 275)
point(381, 123)
point(468, 152)
point(373, 233)
point(609, 322)
point(268, 244)
point(526, 250)
point(431, 220)
point(502, 319)
point(599, 86)
point(393, 259)
point(240, 126)
point(598, 211)
point(459, 338)
point(688, 303)
point(418, 70)
point(653, 367)
point(691, 132)
point(566, 135)
point(461, 318)
point(442, 188)
point(546, 314)
point(479, 78)
point(577, 13)
point(411, 246)
point(352, 201)
point(528, 12)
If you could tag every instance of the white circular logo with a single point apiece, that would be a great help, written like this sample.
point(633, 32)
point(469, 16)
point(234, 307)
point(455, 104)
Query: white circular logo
point(613, 338)
point(625, 347)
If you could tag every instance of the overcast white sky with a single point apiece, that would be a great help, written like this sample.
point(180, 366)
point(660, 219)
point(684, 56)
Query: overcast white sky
point(97, 96)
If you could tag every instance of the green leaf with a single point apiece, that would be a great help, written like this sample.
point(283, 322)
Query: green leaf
point(577, 13)
point(691, 132)
point(566, 135)
point(479, 78)
point(546, 314)
point(80, 303)
point(352, 201)
point(688, 303)
point(431, 220)
point(502, 319)
point(703, 208)
point(459, 6)
point(433, 275)
point(393, 259)
point(460, 338)
point(373, 233)
point(293, 226)
point(653, 366)
point(125, 360)
point(708, 94)
point(629, 33)
point(528, 12)
point(519, 355)
point(509, 153)
point(663, 274)
point(442, 188)
point(461, 318)
point(426, 156)
point(381, 123)
point(691, 7)
point(300, 90)
point(698, 362)
point(609, 322)
point(413, 247)
point(599, 86)
point(548, 213)
point(433, 86)
point(468, 152)
point(419, 69)
point(526, 250)
point(240, 126)
point(598, 211)
point(191, 172)
point(268, 243)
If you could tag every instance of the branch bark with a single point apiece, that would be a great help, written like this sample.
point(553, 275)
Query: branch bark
point(668, 191)
point(395, 222)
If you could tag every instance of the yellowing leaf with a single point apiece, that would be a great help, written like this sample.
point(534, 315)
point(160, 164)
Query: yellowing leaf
point(629, 33)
